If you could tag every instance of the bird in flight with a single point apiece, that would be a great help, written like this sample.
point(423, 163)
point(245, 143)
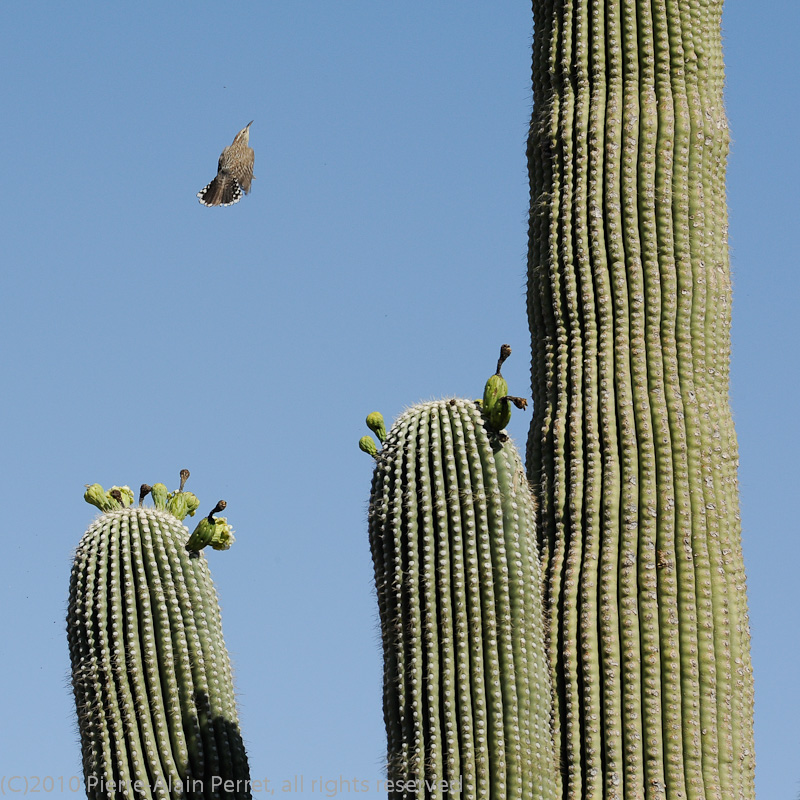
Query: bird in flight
point(234, 173)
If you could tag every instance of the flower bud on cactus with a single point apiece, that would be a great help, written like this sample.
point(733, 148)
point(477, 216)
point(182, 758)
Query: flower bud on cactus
point(182, 504)
point(222, 537)
point(160, 496)
point(376, 424)
point(201, 536)
point(126, 495)
point(367, 444)
point(115, 497)
point(211, 531)
point(95, 495)
point(495, 405)
point(497, 402)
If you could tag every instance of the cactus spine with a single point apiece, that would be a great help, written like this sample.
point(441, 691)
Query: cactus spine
point(150, 672)
point(467, 700)
point(632, 443)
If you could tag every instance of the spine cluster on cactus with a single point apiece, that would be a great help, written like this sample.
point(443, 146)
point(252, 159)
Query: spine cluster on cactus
point(150, 673)
point(467, 701)
point(632, 441)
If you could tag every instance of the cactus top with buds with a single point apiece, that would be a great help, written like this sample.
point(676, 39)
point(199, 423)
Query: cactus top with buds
point(150, 672)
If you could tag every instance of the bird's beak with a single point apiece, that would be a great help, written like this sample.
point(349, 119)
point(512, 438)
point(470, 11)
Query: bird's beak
point(249, 123)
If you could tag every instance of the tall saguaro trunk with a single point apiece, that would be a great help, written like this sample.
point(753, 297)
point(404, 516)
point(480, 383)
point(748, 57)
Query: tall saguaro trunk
point(632, 447)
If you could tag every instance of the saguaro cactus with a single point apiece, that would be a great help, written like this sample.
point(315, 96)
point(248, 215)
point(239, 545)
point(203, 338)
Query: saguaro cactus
point(468, 699)
point(150, 672)
point(632, 447)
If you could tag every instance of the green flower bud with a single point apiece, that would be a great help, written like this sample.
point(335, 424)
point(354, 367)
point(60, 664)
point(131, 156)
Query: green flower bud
point(126, 495)
point(367, 444)
point(496, 407)
point(222, 537)
point(160, 495)
point(201, 536)
point(376, 425)
point(496, 403)
point(181, 504)
point(95, 495)
point(210, 531)
point(192, 503)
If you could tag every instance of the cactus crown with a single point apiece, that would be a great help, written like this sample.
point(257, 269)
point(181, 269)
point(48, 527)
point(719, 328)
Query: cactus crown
point(180, 504)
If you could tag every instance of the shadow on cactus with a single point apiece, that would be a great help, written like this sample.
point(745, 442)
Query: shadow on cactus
point(151, 675)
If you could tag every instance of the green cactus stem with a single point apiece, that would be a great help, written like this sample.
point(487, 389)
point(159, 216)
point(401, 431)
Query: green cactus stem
point(150, 673)
point(632, 446)
point(467, 693)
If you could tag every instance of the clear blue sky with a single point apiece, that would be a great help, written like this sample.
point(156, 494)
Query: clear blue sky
point(378, 261)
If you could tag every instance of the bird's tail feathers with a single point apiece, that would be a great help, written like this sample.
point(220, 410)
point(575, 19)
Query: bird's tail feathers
point(222, 191)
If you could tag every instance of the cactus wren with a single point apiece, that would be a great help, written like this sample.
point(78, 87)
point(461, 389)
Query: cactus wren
point(234, 173)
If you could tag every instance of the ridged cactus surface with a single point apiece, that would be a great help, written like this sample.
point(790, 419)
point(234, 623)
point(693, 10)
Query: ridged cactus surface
point(151, 675)
point(467, 700)
point(632, 445)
